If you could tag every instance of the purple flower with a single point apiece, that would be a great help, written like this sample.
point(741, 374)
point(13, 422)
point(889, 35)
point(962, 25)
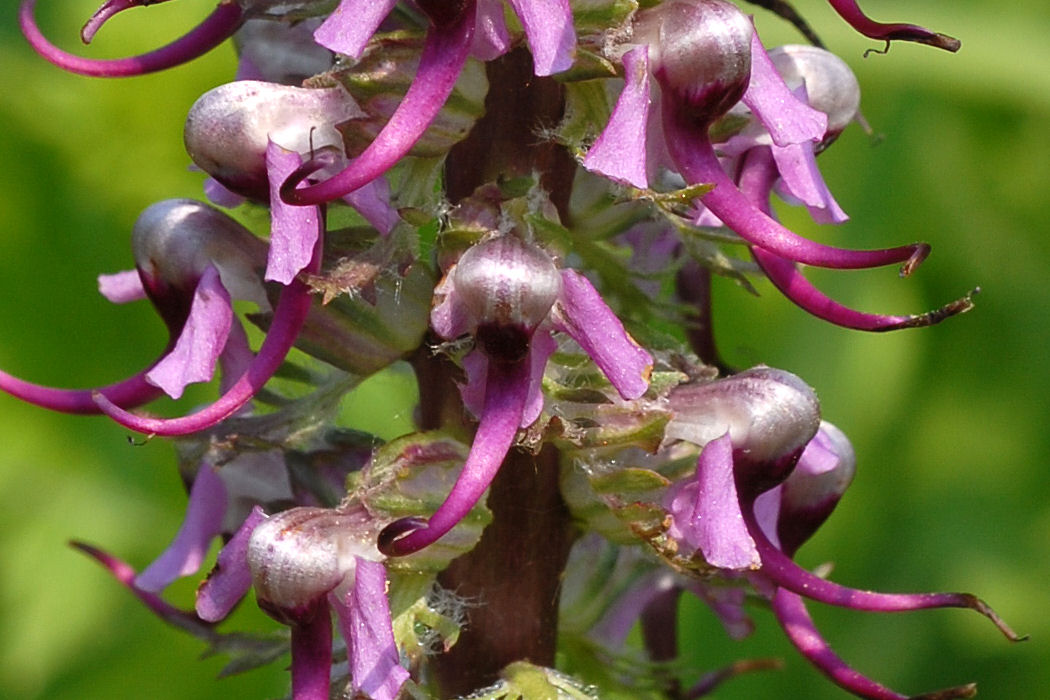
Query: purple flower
point(777, 504)
point(190, 261)
point(303, 563)
point(705, 57)
point(510, 296)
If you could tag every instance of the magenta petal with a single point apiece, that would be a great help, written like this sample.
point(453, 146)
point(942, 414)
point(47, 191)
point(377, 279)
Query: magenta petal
point(125, 575)
point(215, 29)
point(236, 357)
point(506, 392)
point(202, 339)
point(231, 578)
point(727, 603)
point(449, 318)
point(788, 119)
point(122, 287)
point(476, 367)
point(312, 653)
point(293, 229)
point(541, 347)
point(616, 623)
point(620, 151)
point(791, 613)
point(218, 194)
point(581, 312)
point(548, 27)
point(491, 38)
point(203, 523)
point(707, 511)
point(133, 391)
point(445, 51)
point(801, 178)
point(364, 620)
point(350, 26)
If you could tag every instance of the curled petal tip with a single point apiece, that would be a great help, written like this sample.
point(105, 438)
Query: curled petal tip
point(960, 691)
point(921, 251)
point(392, 536)
point(106, 12)
point(212, 31)
point(982, 607)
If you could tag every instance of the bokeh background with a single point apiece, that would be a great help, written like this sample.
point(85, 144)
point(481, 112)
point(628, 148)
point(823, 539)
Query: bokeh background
point(950, 423)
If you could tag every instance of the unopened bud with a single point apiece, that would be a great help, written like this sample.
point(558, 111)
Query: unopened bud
point(507, 287)
point(228, 128)
point(700, 51)
point(830, 85)
point(300, 555)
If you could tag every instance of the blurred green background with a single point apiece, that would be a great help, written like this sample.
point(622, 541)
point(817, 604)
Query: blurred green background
point(949, 423)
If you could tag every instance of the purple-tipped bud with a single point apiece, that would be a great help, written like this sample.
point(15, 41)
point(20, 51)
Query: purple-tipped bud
point(830, 85)
point(506, 287)
point(228, 128)
point(300, 555)
point(770, 415)
point(175, 240)
point(700, 51)
point(809, 495)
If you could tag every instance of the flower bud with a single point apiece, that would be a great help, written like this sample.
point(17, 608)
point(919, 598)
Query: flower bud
point(770, 415)
point(814, 488)
point(700, 51)
point(228, 128)
point(175, 240)
point(300, 555)
point(830, 85)
point(506, 287)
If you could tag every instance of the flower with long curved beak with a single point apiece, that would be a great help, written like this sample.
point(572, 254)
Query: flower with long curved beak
point(190, 260)
point(510, 296)
point(771, 475)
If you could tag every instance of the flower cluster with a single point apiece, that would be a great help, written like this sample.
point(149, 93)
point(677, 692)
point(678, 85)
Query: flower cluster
point(523, 202)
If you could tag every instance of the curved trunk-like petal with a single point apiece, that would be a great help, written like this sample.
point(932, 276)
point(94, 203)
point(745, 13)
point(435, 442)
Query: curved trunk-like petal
point(203, 523)
point(288, 319)
point(692, 152)
point(581, 312)
point(706, 511)
point(445, 52)
point(231, 578)
point(788, 119)
point(312, 653)
point(549, 30)
point(350, 26)
point(125, 575)
point(791, 613)
point(855, 17)
point(620, 151)
point(364, 620)
point(130, 393)
point(782, 571)
point(506, 393)
point(293, 230)
point(201, 341)
point(216, 28)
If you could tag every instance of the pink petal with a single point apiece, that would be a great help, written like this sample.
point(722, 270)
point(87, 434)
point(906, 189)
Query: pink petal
point(801, 178)
point(203, 523)
point(788, 119)
point(231, 579)
point(293, 229)
point(583, 314)
point(121, 287)
point(364, 620)
point(372, 201)
point(491, 38)
point(201, 341)
point(549, 30)
point(620, 151)
point(348, 29)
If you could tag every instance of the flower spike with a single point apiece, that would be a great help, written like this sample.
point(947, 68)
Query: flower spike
point(445, 52)
point(850, 11)
point(216, 28)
